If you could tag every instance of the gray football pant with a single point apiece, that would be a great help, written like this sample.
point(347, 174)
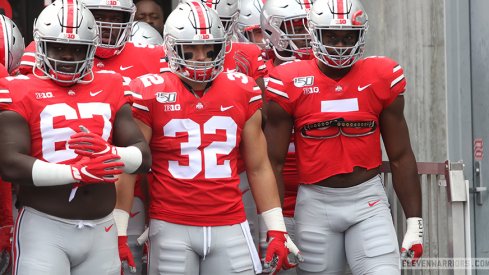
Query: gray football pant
point(47, 245)
point(335, 225)
point(250, 207)
point(193, 250)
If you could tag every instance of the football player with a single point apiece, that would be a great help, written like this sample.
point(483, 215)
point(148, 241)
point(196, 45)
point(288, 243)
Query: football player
point(339, 106)
point(12, 48)
point(284, 28)
point(66, 132)
point(199, 119)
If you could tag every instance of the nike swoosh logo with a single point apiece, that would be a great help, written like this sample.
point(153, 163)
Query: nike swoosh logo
point(122, 68)
point(107, 229)
point(363, 88)
point(96, 93)
point(225, 108)
point(84, 171)
point(370, 204)
point(133, 214)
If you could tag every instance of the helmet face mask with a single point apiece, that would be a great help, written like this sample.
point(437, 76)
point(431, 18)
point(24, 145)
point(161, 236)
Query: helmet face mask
point(284, 23)
point(71, 27)
point(193, 26)
point(114, 21)
point(350, 24)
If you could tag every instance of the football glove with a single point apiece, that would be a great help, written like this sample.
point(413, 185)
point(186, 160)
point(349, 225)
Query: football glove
point(412, 245)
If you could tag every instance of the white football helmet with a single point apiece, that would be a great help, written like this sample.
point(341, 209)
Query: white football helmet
point(13, 44)
point(65, 22)
point(228, 11)
point(284, 23)
point(117, 32)
point(144, 33)
point(192, 23)
point(330, 15)
point(249, 20)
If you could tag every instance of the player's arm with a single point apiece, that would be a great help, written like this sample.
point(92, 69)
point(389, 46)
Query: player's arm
point(278, 129)
point(264, 189)
point(127, 132)
point(132, 146)
point(395, 135)
point(17, 166)
point(125, 195)
point(260, 173)
point(15, 144)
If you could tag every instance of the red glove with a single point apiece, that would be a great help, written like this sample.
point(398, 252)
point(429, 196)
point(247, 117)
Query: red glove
point(125, 254)
point(279, 247)
point(98, 169)
point(88, 144)
point(5, 248)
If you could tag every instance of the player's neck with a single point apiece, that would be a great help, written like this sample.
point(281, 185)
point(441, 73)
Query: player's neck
point(196, 88)
point(333, 73)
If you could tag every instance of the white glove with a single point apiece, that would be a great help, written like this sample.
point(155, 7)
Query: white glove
point(412, 245)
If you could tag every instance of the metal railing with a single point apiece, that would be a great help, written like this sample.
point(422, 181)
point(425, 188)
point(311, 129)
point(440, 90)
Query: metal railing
point(446, 214)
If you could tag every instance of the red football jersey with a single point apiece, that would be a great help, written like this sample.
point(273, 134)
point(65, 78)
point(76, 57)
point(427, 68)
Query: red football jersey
point(54, 113)
point(337, 121)
point(245, 58)
point(195, 146)
point(3, 71)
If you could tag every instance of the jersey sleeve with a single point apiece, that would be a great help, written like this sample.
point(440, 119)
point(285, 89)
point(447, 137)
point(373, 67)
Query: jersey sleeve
point(393, 81)
point(13, 101)
point(28, 59)
point(259, 68)
point(277, 89)
point(142, 103)
point(255, 100)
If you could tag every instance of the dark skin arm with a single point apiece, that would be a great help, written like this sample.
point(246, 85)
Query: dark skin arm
point(15, 145)
point(125, 184)
point(277, 132)
point(395, 135)
point(127, 133)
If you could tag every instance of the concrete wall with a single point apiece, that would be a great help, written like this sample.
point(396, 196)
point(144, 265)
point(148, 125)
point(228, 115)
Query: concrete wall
point(412, 32)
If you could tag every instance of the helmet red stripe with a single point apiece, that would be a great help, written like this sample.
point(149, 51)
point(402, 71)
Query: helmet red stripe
point(201, 17)
point(340, 9)
point(70, 17)
point(307, 4)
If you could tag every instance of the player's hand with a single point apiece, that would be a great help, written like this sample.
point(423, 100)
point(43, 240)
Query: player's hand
point(412, 245)
point(5, 247)
point(125, 254)
point(279, 247)
point(102, 168)
point(87, 144)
